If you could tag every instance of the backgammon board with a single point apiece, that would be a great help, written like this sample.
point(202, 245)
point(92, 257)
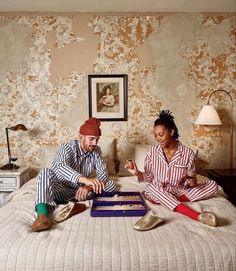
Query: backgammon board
point(118, 204)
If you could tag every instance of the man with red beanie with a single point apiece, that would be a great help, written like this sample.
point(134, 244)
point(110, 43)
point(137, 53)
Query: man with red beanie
point(68, 179)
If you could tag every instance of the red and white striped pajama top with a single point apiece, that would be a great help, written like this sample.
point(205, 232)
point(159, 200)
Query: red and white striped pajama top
point(165, 181)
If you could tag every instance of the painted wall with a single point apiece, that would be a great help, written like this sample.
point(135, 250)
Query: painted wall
point(173, 61)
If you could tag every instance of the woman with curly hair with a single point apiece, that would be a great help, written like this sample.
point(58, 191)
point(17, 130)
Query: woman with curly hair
point(165, 170)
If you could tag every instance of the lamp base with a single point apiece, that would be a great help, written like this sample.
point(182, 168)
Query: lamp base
point(9, 166)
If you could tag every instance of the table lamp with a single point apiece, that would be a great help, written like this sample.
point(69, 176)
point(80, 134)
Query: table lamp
point(10, 165)
point(209, 116)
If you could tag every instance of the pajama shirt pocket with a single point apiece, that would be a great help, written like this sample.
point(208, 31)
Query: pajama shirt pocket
point(180, 172)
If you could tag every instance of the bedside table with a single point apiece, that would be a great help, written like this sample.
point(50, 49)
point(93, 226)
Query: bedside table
point(226, 178)
point(11, 180)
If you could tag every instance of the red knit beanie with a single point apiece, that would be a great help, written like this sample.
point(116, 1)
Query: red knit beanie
point(91, 127)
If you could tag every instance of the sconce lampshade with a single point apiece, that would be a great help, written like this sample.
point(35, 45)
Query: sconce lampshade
point(18, 127)
point(208, 116)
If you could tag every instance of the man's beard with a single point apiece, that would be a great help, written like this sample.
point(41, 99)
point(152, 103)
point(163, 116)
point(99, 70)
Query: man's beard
point(91, 148)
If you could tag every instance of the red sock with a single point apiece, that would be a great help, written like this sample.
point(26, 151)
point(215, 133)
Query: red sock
point(185, 210)
point(183, 198)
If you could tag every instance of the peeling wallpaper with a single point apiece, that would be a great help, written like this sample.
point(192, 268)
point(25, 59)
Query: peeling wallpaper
point(173, 61)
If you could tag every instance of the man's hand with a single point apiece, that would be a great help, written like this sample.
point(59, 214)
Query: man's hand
point(96, 185)
point(83, 192)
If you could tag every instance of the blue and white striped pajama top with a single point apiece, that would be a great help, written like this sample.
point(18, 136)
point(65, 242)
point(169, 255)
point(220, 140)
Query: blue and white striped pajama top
point(61, 182)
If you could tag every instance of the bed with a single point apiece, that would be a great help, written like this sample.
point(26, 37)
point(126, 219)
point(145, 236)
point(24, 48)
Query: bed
point(110, 243)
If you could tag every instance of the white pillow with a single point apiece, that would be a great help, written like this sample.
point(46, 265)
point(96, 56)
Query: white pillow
point(133, 151)
point(140, 154)
point(48, 153)
point(125, 150)
point(108, 150)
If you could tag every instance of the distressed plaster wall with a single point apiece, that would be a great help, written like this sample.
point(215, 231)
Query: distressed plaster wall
point(173, 61)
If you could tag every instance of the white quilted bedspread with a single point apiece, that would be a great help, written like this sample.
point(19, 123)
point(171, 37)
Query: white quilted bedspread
point(110, 243)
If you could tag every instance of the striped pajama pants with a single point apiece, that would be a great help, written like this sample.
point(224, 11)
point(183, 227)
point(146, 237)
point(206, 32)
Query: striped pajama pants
point(167, 195)
point(52, 191)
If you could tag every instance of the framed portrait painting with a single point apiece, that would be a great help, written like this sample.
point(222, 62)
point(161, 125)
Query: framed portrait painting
point(108, 97)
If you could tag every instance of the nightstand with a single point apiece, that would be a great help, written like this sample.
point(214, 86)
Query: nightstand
point(226, 178)
point(11, 180)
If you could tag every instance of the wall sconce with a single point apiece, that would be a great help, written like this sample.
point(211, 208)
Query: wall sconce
point(10, 165)
point(209, 116)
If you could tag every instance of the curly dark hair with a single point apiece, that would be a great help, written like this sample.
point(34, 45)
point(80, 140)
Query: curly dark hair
point(166, 119)
point(106, 87)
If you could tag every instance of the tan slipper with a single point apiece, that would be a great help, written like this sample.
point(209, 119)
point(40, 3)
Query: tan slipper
point(41, 223)
point(69, 210)
point(148, 222)
point(208, 218)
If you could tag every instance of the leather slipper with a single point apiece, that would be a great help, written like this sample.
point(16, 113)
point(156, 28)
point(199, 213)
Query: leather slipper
point(148, 222)
point(69, 210)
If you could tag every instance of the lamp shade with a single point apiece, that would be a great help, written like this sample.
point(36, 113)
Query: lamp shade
point(18, 127)
point(208, 116)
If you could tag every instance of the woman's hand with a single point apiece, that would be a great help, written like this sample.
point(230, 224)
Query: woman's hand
point(190, 178)
point(191, 182)
point(96, 185)
point(131, 166)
